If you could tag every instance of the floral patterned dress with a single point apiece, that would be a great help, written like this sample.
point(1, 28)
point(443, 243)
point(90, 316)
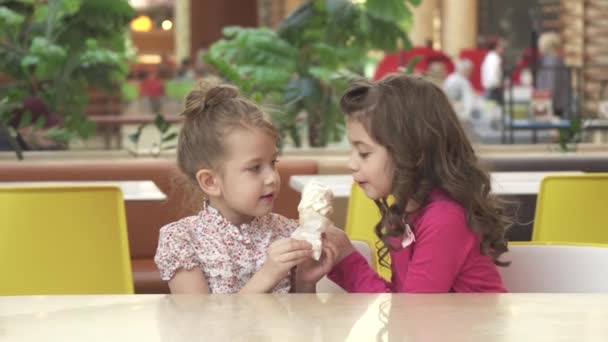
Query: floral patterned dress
point(228, 255)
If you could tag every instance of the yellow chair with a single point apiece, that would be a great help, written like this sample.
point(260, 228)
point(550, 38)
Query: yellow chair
point(572, 208)
point(63, 240)
point(361, 218)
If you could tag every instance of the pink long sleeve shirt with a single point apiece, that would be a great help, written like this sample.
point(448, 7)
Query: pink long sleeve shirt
point(445, 257)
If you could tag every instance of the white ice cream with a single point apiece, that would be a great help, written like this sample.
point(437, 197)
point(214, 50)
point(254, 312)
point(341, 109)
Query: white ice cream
point(314, 207)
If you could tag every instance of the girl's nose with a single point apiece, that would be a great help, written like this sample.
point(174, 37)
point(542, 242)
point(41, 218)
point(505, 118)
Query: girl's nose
point(272, 178)
point(351, 164)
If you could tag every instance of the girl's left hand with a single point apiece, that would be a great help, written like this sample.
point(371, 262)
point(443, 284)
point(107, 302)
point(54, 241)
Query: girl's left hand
point(309, 272)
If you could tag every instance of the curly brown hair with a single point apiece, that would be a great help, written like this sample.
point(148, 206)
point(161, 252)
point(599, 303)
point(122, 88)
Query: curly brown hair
point(413, 119)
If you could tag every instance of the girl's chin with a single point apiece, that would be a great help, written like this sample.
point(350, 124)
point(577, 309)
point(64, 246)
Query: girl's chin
point(374, 195)
point(371, 194)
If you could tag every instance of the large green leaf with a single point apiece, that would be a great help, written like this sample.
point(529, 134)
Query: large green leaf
point(309, 60)
point(290, 28)
point(136, 136)
point(41, 13)
point(265, 76)
point(26, 120)
point(325, 75)
point(69, 7)
point(46, 56)
point(9, 19)
point(56, 50)
point(258, 46)
point(59, 134)
point(386, 35)
point(254, 59)
point(39, 124)
point(225, 69)
point(388, 10)
point(169, 137)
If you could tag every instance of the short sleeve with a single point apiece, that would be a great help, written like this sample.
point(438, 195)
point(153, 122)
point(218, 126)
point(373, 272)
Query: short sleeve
point(175, 250)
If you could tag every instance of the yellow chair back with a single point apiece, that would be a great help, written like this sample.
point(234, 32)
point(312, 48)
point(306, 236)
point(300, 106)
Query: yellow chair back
point(572, 208)
point(63, 240)
point(361, 218)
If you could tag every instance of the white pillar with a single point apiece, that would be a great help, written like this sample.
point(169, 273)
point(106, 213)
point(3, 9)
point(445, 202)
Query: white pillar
point(181, 29)
point(458, 26)
point(422, 26)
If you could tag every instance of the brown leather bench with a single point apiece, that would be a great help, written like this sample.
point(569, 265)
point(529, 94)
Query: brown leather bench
point(145, 218)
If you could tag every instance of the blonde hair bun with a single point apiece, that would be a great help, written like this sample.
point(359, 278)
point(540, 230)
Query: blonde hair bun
point(219, 94)
point(208, 95)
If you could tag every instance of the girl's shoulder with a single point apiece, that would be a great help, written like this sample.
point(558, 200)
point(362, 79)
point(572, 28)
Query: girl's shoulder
point(442, 225)
point(441, 211)
point(184, 225)
point(195, 227)
point(280, 224)
point(439, 199)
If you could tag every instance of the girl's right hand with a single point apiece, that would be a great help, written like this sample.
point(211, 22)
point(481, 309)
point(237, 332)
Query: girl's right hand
point(283, 255)
point(340, 241)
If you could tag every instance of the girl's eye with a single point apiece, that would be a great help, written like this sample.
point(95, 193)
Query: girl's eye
point(363, 155)
point(274, 162)
point(254, 168)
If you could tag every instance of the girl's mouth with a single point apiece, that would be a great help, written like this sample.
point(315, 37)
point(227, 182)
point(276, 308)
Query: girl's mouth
point(268, 197)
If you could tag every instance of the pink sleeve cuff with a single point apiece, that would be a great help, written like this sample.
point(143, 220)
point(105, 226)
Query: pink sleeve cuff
point(354, 274)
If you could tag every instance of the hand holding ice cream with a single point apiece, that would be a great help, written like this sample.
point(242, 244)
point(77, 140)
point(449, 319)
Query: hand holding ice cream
point(314, 207)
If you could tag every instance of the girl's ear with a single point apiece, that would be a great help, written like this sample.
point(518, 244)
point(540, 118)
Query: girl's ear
point(208, 182)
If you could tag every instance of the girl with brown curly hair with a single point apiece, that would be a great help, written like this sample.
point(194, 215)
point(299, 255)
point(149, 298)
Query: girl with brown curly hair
point(444, 230)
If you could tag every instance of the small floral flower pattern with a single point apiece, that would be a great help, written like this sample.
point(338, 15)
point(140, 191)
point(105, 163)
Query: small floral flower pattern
point(228, 255)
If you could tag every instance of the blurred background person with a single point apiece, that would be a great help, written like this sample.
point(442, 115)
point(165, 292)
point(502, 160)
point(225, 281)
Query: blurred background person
point(437, 71)
point(152, 89)
point(491, 70)
point(186, 70)
point(553, 75)
point(165, 69)
point(459, 89)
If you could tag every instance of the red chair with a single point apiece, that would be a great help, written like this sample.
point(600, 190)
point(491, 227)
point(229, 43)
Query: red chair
point(393, 61)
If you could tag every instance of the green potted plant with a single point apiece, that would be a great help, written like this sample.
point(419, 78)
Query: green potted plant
point(53, 52)
point(304, 65)
point(570, 136)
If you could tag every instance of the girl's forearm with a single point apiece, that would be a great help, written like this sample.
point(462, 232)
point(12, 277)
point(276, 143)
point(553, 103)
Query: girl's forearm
point(261, 282)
